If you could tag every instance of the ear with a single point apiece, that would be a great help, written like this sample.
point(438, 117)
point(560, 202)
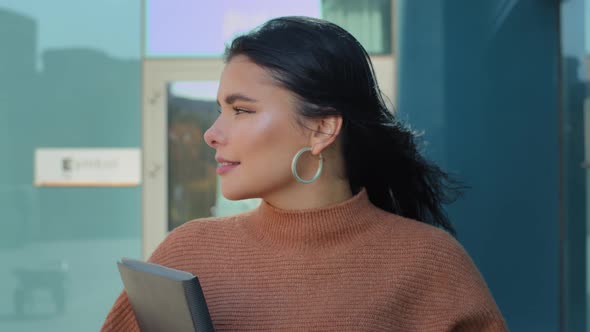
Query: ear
point(325, 132)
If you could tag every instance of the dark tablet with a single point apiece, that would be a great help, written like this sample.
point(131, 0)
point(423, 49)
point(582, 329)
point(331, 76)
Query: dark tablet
point(164, 299)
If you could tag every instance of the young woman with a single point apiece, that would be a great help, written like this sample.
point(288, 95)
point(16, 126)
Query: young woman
point(350, 234)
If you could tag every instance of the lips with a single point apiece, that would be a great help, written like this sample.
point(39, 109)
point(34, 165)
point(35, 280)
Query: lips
point(225, 165)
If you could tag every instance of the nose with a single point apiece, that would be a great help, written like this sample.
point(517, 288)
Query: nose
point(213, 136)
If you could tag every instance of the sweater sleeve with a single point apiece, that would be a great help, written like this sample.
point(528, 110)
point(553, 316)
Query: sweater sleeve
point(121, 317)
point(469, 303)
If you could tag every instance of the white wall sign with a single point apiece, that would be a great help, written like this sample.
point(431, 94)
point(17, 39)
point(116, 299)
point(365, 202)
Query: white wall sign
point(87, 167)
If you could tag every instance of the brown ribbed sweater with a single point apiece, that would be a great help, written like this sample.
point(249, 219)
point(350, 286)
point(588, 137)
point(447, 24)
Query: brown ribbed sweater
point(348, 267)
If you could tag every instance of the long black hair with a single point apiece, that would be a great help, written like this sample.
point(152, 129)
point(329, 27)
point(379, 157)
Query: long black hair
point(331, 74)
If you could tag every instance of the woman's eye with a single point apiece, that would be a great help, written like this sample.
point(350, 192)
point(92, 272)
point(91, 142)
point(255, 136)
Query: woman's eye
point(238, 111)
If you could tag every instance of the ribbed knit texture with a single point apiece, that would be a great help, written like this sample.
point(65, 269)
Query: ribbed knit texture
point(348, 267)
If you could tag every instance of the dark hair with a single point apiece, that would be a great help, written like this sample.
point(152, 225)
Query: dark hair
point(331, 74)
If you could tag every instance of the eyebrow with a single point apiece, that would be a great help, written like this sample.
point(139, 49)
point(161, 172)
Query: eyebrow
point(236, 97)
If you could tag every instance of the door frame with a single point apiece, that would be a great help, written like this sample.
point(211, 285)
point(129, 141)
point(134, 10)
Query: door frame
point(156, 74)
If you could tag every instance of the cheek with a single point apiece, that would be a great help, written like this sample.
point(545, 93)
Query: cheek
point(271, 141)
point(264, 127)
point(271, 130)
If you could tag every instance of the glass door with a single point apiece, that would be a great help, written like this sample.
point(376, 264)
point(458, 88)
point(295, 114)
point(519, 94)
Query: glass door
point(180, 183)
point(182, 64)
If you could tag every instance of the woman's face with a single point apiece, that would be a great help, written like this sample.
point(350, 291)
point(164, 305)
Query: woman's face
point(256, 134)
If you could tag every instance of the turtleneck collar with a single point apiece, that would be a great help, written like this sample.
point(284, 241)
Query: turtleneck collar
point(321, 229)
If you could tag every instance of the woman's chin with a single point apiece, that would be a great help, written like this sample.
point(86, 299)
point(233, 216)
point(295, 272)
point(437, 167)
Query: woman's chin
point(234, 194)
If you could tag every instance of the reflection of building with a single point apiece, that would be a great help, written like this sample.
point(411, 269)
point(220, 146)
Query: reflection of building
point(17, 74)
point(67, 97)
point(18, 56)
point(78, 97)
point(93, 91)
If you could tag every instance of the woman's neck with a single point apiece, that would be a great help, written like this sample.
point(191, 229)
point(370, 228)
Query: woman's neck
point(310, 196)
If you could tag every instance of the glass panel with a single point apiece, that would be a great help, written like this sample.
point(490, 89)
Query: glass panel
point(175, 28)
point(585, 86)
point(575, 35)
point(193, 186)
point(480, 81)
point(368, 20)
point(182, 28)
point(65, 82)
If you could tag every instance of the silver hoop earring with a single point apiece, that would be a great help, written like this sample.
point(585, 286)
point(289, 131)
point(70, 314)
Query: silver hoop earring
point(294, 167)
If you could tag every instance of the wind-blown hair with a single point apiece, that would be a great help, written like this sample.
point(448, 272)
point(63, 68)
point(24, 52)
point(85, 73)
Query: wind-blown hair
point(331, 74)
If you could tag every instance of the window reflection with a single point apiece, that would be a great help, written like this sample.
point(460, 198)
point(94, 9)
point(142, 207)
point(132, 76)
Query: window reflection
point(193, 186)
point(191, 163)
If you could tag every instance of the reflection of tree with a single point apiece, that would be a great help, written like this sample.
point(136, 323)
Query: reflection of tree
point(191, 163)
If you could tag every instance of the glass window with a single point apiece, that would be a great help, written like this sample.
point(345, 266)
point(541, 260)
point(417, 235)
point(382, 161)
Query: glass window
point(193, 185)
point(73, 81)
point(196, 28)
point(368, 20)
point(186, 28)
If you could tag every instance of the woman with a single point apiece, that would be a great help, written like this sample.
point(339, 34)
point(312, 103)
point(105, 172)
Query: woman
point(351, 234)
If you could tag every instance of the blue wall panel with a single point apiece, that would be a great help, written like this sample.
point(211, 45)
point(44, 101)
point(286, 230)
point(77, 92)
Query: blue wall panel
point(481, 79)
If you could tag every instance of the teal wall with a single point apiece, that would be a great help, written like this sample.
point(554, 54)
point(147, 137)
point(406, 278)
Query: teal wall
point(481, 79)
point(70, 76)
